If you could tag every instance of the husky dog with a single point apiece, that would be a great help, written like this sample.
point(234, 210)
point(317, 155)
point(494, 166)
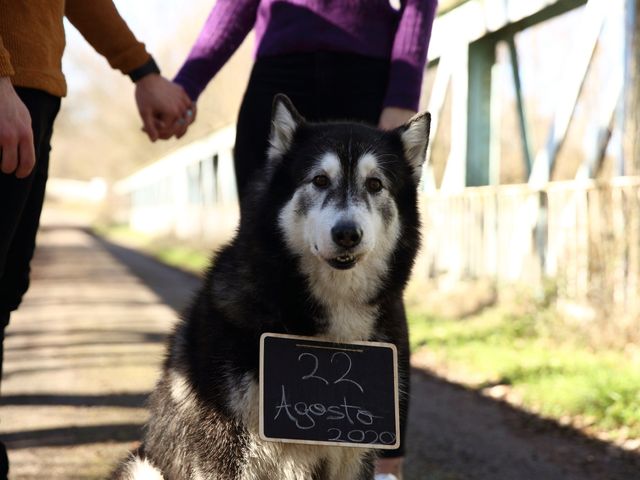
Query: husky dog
point(325, 247)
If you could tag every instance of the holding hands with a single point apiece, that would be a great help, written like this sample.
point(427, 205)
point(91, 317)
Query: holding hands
point(164, 107)
point(166, 110)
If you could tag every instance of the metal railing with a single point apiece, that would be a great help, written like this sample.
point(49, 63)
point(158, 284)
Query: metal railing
point(583, 234)
point(190, 193)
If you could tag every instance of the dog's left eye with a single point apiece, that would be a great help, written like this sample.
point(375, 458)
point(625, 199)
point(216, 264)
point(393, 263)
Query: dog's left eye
point(374, 185)
point(321, 181)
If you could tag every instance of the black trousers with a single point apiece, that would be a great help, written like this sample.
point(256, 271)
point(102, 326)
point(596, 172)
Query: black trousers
point(322, 86)
point(21, 201)
point(20, 206)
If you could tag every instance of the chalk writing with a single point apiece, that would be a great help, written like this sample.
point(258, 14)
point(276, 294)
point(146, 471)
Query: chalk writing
point(302, 414)
point(343, 377)
point(316, 363)
point(315, 367)
point(360, 436)
point(324, 392)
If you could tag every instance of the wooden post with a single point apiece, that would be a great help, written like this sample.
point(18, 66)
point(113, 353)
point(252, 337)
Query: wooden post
point(632, 89)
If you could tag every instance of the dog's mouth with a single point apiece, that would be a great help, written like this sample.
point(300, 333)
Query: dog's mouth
point(344, 261)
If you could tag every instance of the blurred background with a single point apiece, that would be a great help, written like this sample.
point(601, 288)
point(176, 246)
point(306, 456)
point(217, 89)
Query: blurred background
point(526, 291)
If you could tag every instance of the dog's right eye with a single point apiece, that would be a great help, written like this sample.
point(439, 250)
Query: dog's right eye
point(321, 181)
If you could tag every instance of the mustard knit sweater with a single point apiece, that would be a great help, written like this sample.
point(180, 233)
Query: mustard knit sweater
point(32, 40)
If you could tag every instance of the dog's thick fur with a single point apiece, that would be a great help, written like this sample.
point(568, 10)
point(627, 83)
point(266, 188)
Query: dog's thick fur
point(325, 247)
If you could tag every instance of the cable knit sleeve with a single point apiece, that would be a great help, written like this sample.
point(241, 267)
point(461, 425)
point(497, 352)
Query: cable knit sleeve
point(102, 26)
point(6, 70)
point(409, 53)
point(227, 26)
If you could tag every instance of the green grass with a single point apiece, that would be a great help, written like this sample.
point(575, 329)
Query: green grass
point(557, 379)
point(184, 257)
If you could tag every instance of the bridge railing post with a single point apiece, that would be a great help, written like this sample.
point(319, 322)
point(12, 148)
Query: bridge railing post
point(482, 58)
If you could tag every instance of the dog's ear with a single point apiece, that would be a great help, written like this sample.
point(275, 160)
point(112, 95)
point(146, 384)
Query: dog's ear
point(285, 119)
point(415, 139)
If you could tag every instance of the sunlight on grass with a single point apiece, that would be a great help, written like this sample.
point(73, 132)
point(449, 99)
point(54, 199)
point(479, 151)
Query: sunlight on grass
point(184, 257)
point(552, 376)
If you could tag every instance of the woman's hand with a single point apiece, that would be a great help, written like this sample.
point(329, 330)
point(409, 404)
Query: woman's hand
point(164, 107)
point(393, 117)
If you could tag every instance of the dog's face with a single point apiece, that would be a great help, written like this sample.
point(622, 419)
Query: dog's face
point(349, 182)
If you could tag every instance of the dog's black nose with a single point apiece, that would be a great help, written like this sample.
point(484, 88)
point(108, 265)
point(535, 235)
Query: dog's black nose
point(346, 234)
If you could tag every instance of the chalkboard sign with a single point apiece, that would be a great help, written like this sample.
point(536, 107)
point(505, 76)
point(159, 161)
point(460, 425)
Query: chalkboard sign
point(328, 393)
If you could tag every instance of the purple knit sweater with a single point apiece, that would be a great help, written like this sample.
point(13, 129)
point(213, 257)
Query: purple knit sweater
point(367, 27)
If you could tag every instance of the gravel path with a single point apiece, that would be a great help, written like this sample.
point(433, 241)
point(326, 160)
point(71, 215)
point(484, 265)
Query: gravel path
point(84, 350)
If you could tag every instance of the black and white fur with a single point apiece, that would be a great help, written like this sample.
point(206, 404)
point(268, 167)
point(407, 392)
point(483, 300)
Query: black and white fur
point(325, 247)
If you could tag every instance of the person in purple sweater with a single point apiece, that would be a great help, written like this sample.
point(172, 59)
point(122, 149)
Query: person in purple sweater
point(336, 59)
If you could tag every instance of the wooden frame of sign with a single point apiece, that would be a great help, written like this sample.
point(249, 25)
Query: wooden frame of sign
point(326, 393)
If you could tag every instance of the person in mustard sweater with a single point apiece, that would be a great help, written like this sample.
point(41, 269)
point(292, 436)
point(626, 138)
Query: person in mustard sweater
point(31, 85)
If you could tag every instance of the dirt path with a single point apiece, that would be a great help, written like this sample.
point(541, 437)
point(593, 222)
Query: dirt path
point(465, 435)
point(85, 349)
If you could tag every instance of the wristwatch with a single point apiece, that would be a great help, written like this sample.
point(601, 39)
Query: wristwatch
point(147, 68)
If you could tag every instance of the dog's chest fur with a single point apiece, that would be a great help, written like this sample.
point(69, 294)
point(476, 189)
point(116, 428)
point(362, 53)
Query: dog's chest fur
point(346, 297)
point(287, 461)
point(348, 315)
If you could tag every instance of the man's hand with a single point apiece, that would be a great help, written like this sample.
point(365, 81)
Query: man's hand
point(393, 117)
point(164, 107)
point(17, 153)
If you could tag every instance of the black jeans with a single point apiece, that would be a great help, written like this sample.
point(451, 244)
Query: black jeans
point(322, 86)
point(21, 201)
point(20, 206)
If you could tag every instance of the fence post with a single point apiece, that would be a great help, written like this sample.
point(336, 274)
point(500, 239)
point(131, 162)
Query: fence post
point(632, 89)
